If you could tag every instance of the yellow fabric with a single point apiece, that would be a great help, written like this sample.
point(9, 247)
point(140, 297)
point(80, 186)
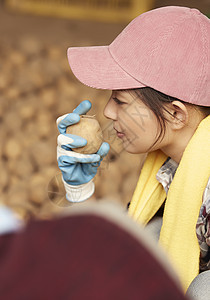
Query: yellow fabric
point(184, 199)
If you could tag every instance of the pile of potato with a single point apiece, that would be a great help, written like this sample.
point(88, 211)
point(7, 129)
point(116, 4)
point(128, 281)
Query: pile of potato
point(36, 87)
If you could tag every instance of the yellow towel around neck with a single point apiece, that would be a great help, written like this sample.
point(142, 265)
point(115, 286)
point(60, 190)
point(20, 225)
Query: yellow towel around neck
point(184, 199)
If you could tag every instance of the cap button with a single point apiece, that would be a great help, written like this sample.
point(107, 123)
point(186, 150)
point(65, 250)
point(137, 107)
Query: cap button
point(195, 11)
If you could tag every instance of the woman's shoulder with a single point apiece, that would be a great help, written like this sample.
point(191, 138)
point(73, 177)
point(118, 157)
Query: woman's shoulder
point(206, 196)
point(203, 229)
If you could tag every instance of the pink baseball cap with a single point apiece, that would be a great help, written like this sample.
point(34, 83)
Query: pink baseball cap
point(167, 49)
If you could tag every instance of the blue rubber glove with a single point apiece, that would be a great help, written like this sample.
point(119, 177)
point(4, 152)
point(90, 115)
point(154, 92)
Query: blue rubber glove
point(77, 169)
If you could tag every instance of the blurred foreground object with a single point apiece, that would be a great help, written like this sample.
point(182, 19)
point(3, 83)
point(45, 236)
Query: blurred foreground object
point(93, 253)
point(108, 11)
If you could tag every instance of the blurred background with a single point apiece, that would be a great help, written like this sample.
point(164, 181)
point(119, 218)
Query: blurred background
point(37, 86)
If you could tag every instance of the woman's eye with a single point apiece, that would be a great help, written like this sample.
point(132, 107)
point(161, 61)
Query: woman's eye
point(116, 100)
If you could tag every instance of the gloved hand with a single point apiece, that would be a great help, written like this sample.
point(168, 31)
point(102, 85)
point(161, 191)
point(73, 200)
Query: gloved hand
point(77, 169)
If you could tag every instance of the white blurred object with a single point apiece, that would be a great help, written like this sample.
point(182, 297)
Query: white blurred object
point(9, 221)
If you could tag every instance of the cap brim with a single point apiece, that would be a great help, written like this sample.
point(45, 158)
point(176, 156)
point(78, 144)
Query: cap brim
point(95, 67)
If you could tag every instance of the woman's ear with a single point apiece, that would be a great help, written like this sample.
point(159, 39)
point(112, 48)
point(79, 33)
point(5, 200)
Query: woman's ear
point(179, 115)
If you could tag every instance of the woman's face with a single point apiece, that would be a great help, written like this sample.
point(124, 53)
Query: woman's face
point(135, 124)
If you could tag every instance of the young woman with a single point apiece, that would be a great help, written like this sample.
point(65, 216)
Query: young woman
point(158, 69)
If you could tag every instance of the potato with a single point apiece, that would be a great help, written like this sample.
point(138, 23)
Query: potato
point(90, 129)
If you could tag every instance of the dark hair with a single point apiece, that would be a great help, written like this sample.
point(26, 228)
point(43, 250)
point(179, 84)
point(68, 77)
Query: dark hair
point(156, 101)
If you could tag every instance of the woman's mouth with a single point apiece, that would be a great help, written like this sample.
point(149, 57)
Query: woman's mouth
point(119, 134)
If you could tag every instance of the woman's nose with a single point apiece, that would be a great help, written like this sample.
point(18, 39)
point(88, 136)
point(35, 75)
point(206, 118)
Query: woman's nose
point(110, 110)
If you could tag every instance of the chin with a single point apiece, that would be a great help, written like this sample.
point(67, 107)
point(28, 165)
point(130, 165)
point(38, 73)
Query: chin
point(132, 149)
